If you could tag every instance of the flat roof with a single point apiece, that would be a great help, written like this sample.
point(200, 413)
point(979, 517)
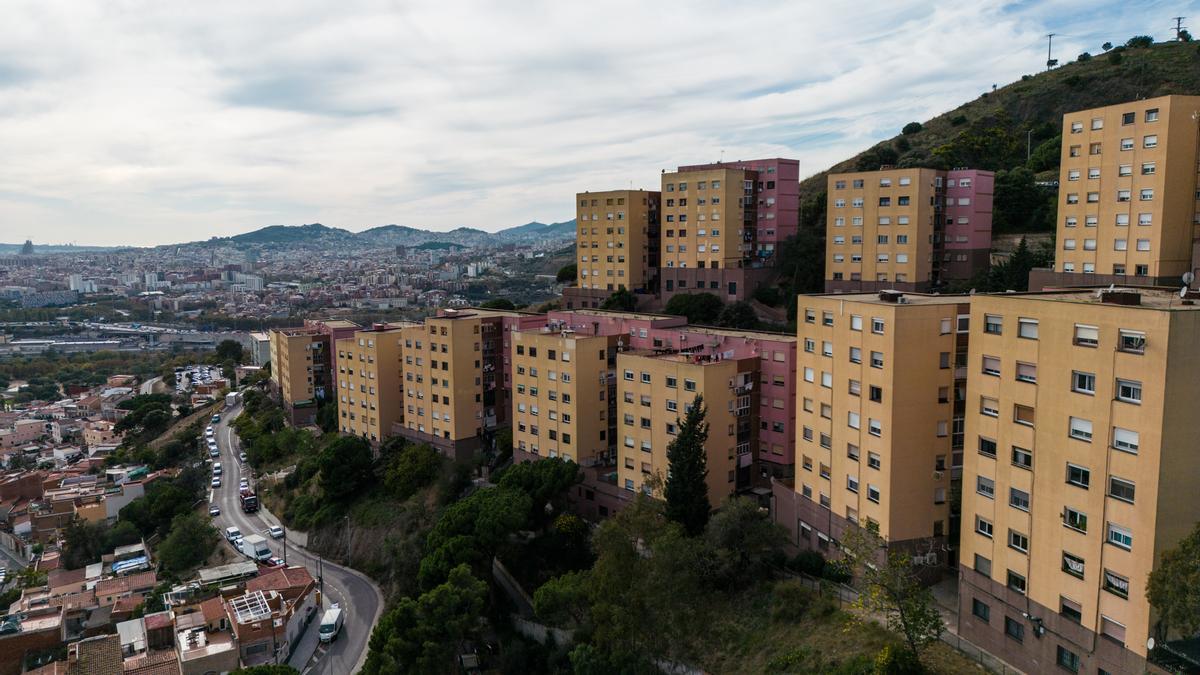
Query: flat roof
point(874, 298)
point(1148, 297)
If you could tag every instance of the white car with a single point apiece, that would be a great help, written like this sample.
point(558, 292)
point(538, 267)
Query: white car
point(216, 481)
point(275, 531)
point(243, 483)
point(214, 510)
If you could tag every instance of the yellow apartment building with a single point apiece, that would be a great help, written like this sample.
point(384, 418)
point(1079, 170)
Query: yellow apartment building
point(563, 395)
point(302, 365)
point(370, 382)
point(654, 391)
point(617, 240)
point(708, 231)
point(880, 229)
point(877, 380)
point(453, 380)
point(1080, 471)
point(1128, 197)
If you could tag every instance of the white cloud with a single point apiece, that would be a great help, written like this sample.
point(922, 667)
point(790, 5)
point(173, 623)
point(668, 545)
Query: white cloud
point(151, 122)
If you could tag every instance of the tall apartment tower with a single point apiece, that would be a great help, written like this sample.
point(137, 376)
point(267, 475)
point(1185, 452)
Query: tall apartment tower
point(1128, 203)
point(370, 387)
point(655, 392)
point(302, 365)
point(1080, 471)
point(777, 202)
point(878, 419)
point(906, 229)
point(617, 245)
point(564, 394)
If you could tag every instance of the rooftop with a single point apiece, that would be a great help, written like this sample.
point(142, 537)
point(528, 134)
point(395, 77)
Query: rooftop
point(1132, 297)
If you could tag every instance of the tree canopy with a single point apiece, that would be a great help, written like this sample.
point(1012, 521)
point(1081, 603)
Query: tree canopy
point(738, 314)
point(230, 350)
point(345, 467)
point(566, 274)
point(686, 489)
point(623, 300)
point(702, 308)
point(499, 303)
point(1173, 588)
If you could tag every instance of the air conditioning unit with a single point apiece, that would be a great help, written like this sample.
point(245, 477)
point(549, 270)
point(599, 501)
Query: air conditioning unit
point(937, 475)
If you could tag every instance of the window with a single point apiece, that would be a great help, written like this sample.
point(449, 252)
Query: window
point(1067, 659)
point(856, 322)
point(985, 486)
point(1120, 536)
point(873, 460)
point(1018, 499)
point(993, 324)
point(991, 366)
point(853, 419)
point(1024, 414)
point(1079, 476)
point(989, 406)
point(1146, 194)
point(1027, 328)
point(873, 493)
point(1119, 488)
point(1150, 141)
point(1076, 520)
point(1126, 143)
point(1116, 584)
point(1014, 629)
point(1129, 391)
point(983, 565)
point(874, 427)
point(855, 355)
point(1087, 336)
point(1081, 429)
point(987, 447)
point(1022, 458)
point(876, 359)
point(1072, 564)
point(1018, 541)
point(1133, 342)
point(980, 609)
point(1016, 582)
point(1084, 383)
point(1112, 630)
point(1124, 439)
point(1026, 372)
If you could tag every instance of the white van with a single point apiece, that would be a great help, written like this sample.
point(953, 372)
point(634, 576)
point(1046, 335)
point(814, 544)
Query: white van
point(331, 624)
point(232, 533)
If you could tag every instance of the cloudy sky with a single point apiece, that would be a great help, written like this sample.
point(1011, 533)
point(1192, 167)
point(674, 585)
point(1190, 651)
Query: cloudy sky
point(126, 122)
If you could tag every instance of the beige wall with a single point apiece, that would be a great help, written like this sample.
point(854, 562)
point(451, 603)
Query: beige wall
point(443, 377)
point(841, 223)
point(370, 395)
point(717, 381)
point(1163, 469)
point(915, 426)
point(613, 238)
point(722, 209)
point(566, 378)
point(1173, 181)
point(292, 366)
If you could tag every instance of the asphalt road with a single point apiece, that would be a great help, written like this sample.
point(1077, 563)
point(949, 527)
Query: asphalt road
point(358, 596)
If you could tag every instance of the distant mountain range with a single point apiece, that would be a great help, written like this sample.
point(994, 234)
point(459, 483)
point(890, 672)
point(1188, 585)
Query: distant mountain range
point(384, 236)
point(402, 235)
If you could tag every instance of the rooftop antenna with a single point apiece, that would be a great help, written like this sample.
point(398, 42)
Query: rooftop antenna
point(1050, 62)
point(1178, 26)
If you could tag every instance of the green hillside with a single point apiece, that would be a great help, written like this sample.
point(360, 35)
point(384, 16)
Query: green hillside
point(996, 130)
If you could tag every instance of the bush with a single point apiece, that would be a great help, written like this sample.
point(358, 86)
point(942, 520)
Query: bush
point(1139, 41)
point(958, 120)
point(1084, 57)
point(1115, 58)
point(809, 562)
point(895, 661)
point(702, 308)
point(911, 128)
point(770, 296)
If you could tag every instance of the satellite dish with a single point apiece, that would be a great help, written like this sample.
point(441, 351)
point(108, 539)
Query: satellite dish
point(1188, 278)
point(1150, 644)
point(1183, 292)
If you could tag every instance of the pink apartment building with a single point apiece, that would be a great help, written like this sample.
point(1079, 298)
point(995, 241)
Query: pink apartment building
point(968, 235)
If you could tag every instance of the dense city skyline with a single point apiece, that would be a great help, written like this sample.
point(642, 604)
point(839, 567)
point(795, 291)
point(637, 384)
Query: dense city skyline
point(165, 125)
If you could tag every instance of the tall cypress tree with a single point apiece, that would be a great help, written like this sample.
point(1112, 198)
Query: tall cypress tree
point(687, 487)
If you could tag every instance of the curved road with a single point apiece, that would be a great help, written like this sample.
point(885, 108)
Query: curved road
point(352, 590)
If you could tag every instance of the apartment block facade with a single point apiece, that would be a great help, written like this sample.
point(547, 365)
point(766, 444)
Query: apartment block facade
point(370, 381)
point(655, 390)
point(617, 244)
point(302, 365)
point(878, 420)
point(1129, 202)
point(1080, 471)
point(906, 229)
point(777, 202)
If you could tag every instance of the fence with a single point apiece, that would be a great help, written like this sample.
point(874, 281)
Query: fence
point(845, 595)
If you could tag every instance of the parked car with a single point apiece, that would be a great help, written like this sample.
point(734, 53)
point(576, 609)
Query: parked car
point(214, 510)
point(331, 624)
point(216, 481)
point(275, 531)
point(216, 419)
point(242, 456)
point(232, 533)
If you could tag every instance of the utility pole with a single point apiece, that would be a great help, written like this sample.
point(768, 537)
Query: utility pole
point(1178, 26)
point(1050, 62)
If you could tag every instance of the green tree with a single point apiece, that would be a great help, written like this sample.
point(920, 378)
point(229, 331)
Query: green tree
point(411, 469)
point(564, 599)
point(911, 128)
point(699, 308)
point(230, 350)
point(888, 584)
point(566, 274)
point(1046, 155)
point(623, 300)
point(1173, 588)
point(1139, 41)
point(499, 303)
point(191, 540)
point(738, 314)
point(423, 635)
point(744, 542)
point(83, 543)
point(545, 481)
point(470, 531)
point(686, 489)
point(1019, 205)
point(345, 468)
